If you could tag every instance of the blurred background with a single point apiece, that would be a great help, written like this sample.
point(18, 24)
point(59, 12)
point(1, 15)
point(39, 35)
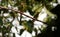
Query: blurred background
point(29, 18)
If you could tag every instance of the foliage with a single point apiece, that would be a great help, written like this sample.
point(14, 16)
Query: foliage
point(34, 7)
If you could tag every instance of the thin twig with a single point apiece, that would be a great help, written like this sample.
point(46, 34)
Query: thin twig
point(23, 14)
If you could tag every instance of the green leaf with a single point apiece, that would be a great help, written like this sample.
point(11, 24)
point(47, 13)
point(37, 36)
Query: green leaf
point(28, 25)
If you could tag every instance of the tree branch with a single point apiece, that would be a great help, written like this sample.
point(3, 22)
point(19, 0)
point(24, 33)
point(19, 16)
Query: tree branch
point(22, 14)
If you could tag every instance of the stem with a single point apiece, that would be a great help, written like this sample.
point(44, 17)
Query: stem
point(13, 34)
point(20, 18)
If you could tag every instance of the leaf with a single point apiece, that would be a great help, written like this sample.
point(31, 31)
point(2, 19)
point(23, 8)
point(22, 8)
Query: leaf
point(28, 25)
point(4, 3)
point(49, 13)
point(38, 10)
point(21, 31)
